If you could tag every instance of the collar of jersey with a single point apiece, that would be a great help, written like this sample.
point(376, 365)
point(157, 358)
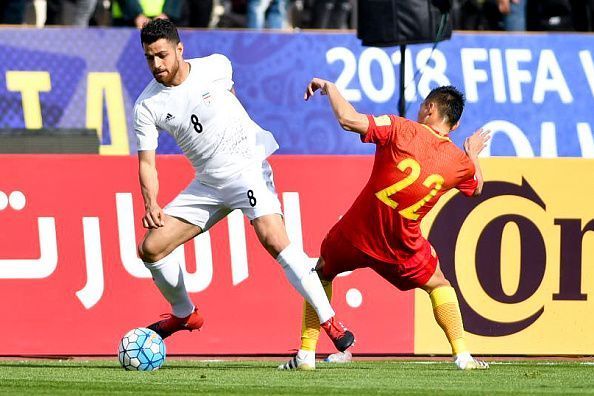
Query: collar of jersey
point(436, 134)
point(182, 83)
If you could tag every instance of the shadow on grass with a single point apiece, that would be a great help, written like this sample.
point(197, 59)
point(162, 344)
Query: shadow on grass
point(219, 366)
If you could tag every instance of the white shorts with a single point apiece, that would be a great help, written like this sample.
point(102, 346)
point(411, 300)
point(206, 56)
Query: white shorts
point(252, 191)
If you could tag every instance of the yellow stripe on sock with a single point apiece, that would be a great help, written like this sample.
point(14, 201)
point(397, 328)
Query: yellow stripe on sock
point(447, 314)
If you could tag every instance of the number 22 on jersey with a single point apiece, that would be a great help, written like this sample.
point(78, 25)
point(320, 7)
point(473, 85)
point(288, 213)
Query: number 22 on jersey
point(435, 182)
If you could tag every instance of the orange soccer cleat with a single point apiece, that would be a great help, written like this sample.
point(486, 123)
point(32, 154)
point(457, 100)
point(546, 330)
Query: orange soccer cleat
point(171, 323)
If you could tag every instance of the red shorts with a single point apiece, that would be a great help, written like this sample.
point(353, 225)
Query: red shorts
point(340, 256)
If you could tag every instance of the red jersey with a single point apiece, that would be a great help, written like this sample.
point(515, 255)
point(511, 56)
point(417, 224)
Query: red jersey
point(414, 166)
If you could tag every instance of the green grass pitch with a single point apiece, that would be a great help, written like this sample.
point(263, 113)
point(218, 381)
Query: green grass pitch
point(389, 377)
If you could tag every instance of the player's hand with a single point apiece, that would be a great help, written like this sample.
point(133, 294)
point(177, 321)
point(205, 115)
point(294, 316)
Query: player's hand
point(474, 144)
point(153, 217)
point(314, 85)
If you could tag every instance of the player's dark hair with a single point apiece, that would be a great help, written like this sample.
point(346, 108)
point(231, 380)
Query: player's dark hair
point(159, 29)
point(449, 102)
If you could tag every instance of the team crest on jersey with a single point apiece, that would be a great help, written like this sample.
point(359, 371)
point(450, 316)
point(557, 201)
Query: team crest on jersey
point(207, 98)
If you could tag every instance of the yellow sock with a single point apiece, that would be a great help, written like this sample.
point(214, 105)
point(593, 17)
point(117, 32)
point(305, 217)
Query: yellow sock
point(448, 316)
point(310, 329)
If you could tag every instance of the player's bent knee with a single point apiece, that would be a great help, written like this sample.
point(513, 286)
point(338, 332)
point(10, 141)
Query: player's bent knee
point(150, 252)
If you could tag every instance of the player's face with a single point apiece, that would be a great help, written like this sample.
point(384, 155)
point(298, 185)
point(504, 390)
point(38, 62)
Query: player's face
point(163, 58)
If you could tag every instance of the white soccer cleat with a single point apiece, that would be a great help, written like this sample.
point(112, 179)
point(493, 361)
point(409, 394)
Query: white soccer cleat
point(465, 361)
point(340, 357)
point(303, 360)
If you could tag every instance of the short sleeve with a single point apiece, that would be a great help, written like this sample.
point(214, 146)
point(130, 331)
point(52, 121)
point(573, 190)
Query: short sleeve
point(221, 71)
point(146, 131)
point(468, 187)
point(381, 129)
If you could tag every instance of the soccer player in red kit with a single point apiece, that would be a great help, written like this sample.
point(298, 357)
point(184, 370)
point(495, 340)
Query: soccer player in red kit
point(415, 164)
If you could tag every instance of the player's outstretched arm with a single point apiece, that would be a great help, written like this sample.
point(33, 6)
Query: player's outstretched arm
point(149, 185)
point(345, 113)
point(473, 145)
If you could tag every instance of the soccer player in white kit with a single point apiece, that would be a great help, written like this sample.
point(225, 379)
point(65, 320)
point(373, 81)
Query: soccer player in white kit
point(194, 101)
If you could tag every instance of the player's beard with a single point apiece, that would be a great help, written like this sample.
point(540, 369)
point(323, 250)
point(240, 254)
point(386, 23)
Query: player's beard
point(169, 75)
point(160, 77)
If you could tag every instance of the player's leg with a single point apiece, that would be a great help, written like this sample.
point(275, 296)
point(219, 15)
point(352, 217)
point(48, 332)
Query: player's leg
point(422, 271)
point(185, 217)
point(255, 195)
point(305, 358)
point(310, 324)
point(337, 256)
point(447, 314)
point(156, 253)
point(301, 273)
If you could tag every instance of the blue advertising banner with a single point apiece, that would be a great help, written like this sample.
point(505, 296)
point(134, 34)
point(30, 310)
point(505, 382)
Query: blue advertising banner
point(534, 91)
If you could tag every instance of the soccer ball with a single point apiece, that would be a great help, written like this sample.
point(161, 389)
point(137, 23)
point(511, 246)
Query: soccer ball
point(141, 349)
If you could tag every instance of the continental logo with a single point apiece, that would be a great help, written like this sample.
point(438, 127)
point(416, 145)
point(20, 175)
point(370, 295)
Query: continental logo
point(520, 256)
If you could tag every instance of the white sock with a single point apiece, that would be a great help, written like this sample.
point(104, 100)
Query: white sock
point(462, 359)
point(305, 280)
point(307, 356)
point(463, 356)
point(169, 279)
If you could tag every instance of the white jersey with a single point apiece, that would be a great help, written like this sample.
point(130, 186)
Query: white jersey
point(206, 120)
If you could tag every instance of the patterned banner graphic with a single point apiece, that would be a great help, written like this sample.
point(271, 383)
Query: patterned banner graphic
point(535, 92)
